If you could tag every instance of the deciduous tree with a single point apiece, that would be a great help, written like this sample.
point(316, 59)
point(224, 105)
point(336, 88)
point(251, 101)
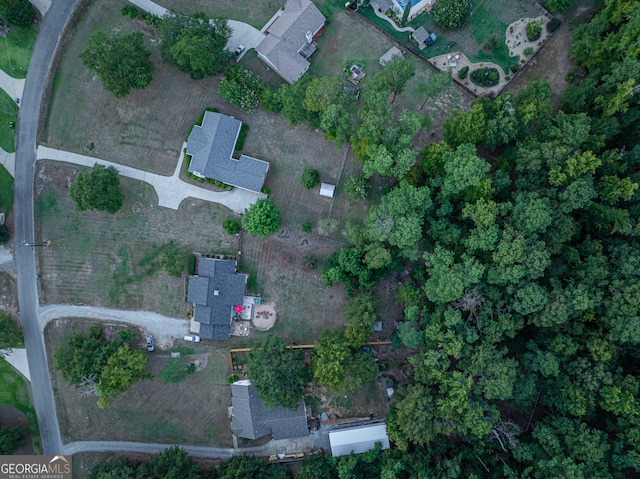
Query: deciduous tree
point(98, 190)
point(262, 218)
point(278, 374)
point(121, 61)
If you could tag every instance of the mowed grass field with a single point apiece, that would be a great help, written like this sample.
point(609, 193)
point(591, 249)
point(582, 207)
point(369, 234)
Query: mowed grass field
point(193, 411)
point(6, 190)
point(109, 260)
point(15, 51)
point(15, 392)
point(8, 117)
point(253, 12)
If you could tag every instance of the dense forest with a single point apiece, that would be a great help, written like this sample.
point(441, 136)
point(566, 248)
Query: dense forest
point(518, 239)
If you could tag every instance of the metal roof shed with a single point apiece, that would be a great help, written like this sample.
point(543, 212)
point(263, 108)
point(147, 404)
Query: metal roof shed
point(358, 439)
point(327, 190)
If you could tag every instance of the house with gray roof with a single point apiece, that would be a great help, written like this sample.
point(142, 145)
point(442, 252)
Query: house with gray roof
point(252, 420)
point(290, 39)
point(211, 147)
point(216, 291)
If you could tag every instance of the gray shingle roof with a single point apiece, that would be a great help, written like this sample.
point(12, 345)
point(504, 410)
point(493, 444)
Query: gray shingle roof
point(211, 146)
point(252, 420)
point(215, 292)
point(420, 35)
point(287, 35)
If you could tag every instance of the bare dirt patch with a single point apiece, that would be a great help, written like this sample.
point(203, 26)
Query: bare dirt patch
point(367, 401)
point(151, 411)
point(8, 293)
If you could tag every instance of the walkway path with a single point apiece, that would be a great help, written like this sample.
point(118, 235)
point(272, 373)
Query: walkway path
point(17, 357)
point(8, 160)
point(151, 7)
point(171, 190)
point(393, 24)
point(163, 328)
point(43, 6)
point(13, 86)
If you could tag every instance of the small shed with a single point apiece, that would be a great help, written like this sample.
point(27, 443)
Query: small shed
point(420, 36)
point(358, 439)
point(392, 54)
point(327, 190)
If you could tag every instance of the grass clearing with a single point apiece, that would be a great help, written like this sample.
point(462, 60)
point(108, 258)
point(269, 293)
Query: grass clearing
point(15, 54)
point(193, 411)
point(112, 260)
point(253, 12)
point(367, 401)
point(8, 119)
point(14, 392)
point(6, 190)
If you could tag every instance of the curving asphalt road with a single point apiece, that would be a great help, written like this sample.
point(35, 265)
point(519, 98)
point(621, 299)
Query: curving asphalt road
point(25, 159)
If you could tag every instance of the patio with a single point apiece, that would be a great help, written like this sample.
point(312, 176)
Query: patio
point(264, 316)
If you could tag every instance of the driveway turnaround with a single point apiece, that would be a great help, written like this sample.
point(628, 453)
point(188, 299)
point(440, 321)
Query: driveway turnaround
point(162, 328)
point(171, 190)
point(245, 35)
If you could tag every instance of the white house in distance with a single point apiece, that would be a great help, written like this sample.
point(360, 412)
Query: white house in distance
point(398, 6)
point(290, 39)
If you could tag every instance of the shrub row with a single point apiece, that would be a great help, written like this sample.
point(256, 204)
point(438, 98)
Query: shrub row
point(135, 12)
point(243, 134)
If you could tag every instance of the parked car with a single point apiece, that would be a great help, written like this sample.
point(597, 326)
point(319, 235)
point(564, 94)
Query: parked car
point(193, 339)
point(239, 50)
point(150, 344)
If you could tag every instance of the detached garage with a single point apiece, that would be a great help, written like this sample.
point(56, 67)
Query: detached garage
point(358, 439)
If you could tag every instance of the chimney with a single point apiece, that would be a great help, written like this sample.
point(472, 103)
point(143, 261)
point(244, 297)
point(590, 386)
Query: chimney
point(309, 37)
point(216, 292)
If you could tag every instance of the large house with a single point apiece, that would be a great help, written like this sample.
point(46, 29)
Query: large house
point(211, 147)
point(252, 420)
point(217, 292)
point(290, 39)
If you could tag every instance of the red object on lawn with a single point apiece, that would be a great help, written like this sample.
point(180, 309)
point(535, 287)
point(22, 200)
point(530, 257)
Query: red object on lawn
point(238, 309)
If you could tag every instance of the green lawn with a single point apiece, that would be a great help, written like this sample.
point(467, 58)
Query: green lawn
point(6, 190)
point(15, 393)
point(8, 114)
point(15, 54)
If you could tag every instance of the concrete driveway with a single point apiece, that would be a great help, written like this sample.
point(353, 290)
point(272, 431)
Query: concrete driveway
point(243, 34)
point(171, 190)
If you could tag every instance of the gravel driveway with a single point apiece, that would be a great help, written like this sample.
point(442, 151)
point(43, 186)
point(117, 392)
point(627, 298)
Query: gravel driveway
point(164, 329)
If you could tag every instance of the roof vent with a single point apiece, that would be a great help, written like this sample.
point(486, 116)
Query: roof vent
point(216, 292)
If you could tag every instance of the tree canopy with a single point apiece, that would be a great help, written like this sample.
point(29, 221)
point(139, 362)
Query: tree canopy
point(195, 44)
point(18, 13)
point(278, 373)
point(121, 61)
point(98, 190)
point(262, 218)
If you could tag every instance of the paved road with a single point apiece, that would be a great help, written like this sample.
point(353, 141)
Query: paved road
point(171, 190)
point(163, 328)
point(25, 159)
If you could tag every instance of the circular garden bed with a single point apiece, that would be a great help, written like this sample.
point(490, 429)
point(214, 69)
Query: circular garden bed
point(485, 77)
